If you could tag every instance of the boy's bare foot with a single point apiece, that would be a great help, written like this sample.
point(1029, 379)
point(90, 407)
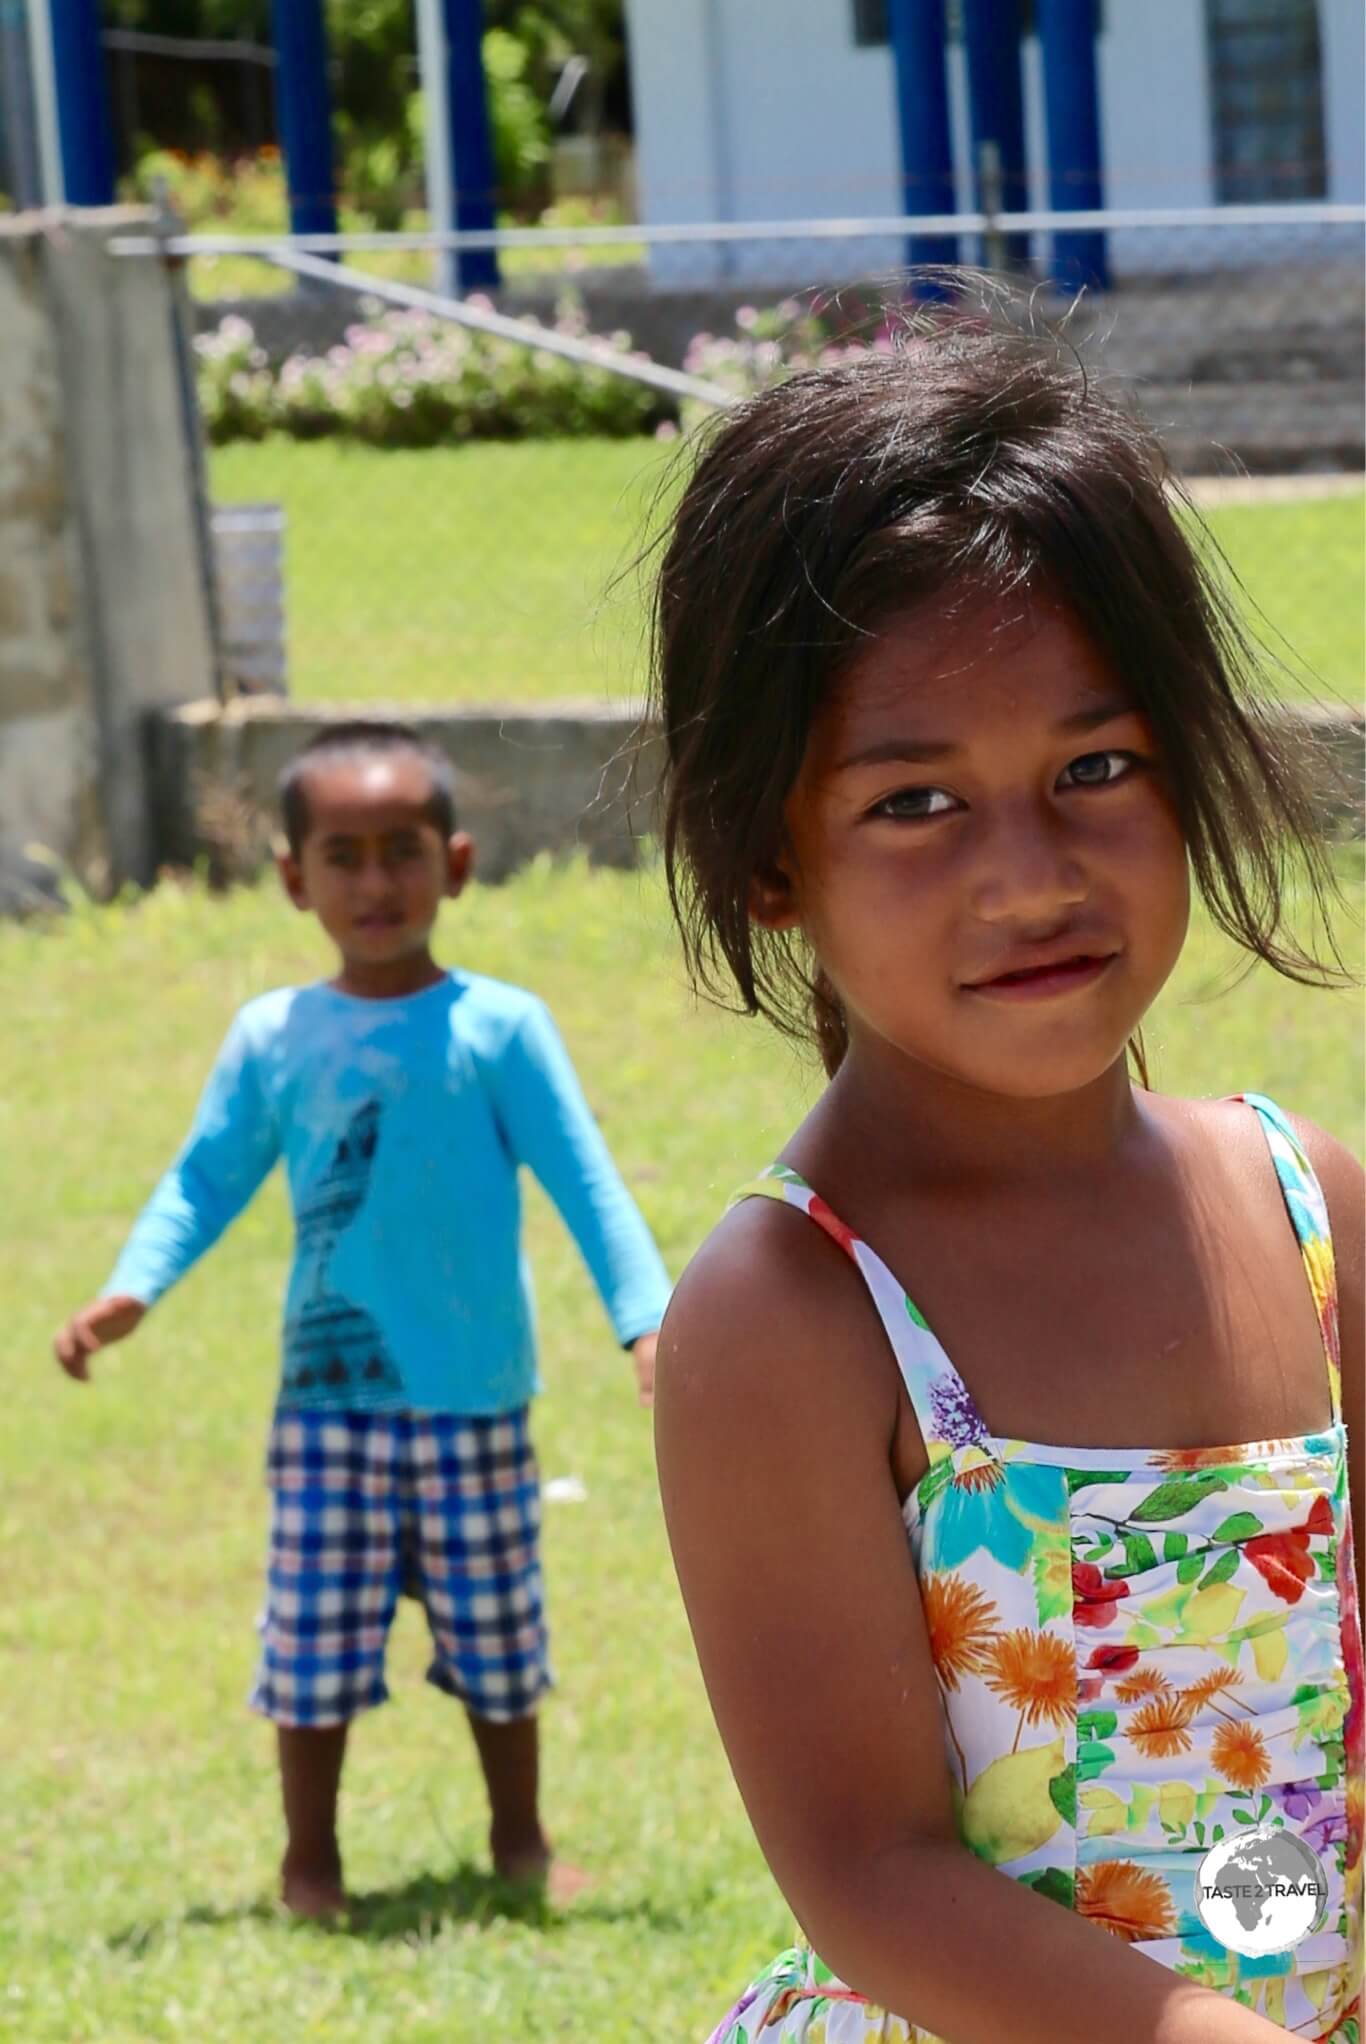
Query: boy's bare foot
point(312, 1892)
point(535, 1867)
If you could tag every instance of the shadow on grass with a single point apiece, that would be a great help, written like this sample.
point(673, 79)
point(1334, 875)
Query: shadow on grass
point(415, 1910)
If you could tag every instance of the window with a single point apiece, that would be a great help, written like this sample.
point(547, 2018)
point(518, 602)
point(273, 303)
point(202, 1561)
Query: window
point(870, 23)
point(1266, 87)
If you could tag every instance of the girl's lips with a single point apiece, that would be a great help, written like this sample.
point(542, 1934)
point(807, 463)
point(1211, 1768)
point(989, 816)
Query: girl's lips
point(1044, 981)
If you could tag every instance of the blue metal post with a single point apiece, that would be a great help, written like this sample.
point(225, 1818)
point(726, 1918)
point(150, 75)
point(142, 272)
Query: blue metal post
point(1067, 38)
point(82, 102)
point(991, 32)
point(917, 34)
point(471, 139)
point(303, 103)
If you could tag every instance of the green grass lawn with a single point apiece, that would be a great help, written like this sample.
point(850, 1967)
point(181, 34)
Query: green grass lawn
point(463, 574)
point(481, 573)
point(140, 1831)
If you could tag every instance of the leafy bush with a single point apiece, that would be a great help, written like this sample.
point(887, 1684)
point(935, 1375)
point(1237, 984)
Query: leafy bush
point(774, 342)
point(407, 379)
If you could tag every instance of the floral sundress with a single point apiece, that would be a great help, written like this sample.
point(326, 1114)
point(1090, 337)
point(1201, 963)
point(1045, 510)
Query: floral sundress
point(1139, 1651)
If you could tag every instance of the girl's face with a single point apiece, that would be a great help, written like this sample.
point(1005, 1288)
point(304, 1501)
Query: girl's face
point(982, 852)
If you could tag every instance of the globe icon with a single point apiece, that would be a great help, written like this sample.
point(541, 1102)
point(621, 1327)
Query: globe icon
point(1261, 1891)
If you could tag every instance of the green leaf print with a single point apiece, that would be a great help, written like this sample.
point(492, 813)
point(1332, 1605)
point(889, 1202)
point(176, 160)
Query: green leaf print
point(1320, 1716)
point(1097, 1758)
point(1226, 1566)
point(1179, 1495)
point(1139, 1556)
point(1054, 1883)
point(1174, 1545)
point(1189, 1569)
point(1062, 1793)
point(1082, 1479)
point(936, 1478)
point(1096, 1724)
point(1052, 1569)
point(917, 1315)
point(1238, 1526)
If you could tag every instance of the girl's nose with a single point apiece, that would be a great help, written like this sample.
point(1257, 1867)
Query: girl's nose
point(1028, 868)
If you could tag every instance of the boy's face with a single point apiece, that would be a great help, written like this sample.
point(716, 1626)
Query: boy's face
point(373, 867)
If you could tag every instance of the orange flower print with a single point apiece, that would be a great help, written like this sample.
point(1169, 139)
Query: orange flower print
point(1159, 1729)
point(1191, 1458)
point(1238, 1752)
point(1216, 1683)
point(962, 1623)
point(1125, 1900)
point(1143, 1682)
point(1036, 1673)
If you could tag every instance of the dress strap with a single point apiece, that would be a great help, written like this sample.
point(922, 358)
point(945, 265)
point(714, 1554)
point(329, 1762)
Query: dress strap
point(1308, 1211)
point(941, 1401)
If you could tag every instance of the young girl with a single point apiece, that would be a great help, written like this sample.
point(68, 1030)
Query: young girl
point(1001, 1638)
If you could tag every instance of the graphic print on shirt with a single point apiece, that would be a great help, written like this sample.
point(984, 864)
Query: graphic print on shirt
point(334, 1351)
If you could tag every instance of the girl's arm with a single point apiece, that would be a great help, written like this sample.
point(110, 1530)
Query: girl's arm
point(776, 1404)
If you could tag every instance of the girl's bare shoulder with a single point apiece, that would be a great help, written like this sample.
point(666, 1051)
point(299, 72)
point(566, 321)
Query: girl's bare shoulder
point(768, 1312)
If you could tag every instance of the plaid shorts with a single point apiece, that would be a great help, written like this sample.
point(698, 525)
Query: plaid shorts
point(366, 1506)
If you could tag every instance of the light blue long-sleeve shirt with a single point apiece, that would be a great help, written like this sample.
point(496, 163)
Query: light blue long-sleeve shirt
point(402, 1124)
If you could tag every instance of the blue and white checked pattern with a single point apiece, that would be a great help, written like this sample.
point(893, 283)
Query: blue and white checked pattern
point(367, 1506)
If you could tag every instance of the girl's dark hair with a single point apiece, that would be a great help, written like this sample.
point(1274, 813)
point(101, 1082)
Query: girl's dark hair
point(971, 451)
point(362, 738)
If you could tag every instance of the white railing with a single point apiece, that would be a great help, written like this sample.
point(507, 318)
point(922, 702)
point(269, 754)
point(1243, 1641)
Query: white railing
point(673, 234)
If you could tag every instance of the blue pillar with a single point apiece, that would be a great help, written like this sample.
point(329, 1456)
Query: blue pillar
point(82, 102)
point(303, 103)
point(1067, 39)
point(991, 32)
point(916, 29)
point(471, 139)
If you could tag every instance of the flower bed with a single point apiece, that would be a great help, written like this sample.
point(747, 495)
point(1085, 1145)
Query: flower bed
point(407, 379)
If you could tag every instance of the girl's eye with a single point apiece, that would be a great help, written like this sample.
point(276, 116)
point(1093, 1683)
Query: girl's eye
point(915, 802)
point(1099, 769)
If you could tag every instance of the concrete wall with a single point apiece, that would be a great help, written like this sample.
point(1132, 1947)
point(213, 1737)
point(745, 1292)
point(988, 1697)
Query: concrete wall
point(48, 753)
point(103, 612)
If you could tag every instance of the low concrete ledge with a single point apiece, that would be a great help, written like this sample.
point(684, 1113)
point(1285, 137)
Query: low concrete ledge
point(572, 777)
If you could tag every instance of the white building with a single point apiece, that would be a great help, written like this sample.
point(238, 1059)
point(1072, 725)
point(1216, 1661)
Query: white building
point(768, 110)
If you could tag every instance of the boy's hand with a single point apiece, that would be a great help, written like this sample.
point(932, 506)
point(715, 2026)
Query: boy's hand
point(643, 1351)
point(95, 1326)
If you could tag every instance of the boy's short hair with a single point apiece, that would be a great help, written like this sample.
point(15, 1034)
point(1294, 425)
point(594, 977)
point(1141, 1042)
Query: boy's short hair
point(363, 738)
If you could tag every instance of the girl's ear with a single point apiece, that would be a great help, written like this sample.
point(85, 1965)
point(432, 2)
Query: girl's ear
point(773, 897)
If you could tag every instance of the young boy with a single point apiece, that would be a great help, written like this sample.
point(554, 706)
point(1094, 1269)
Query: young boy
point(403, 1098)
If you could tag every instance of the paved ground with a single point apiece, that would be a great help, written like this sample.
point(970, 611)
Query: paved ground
point(1271, 489)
